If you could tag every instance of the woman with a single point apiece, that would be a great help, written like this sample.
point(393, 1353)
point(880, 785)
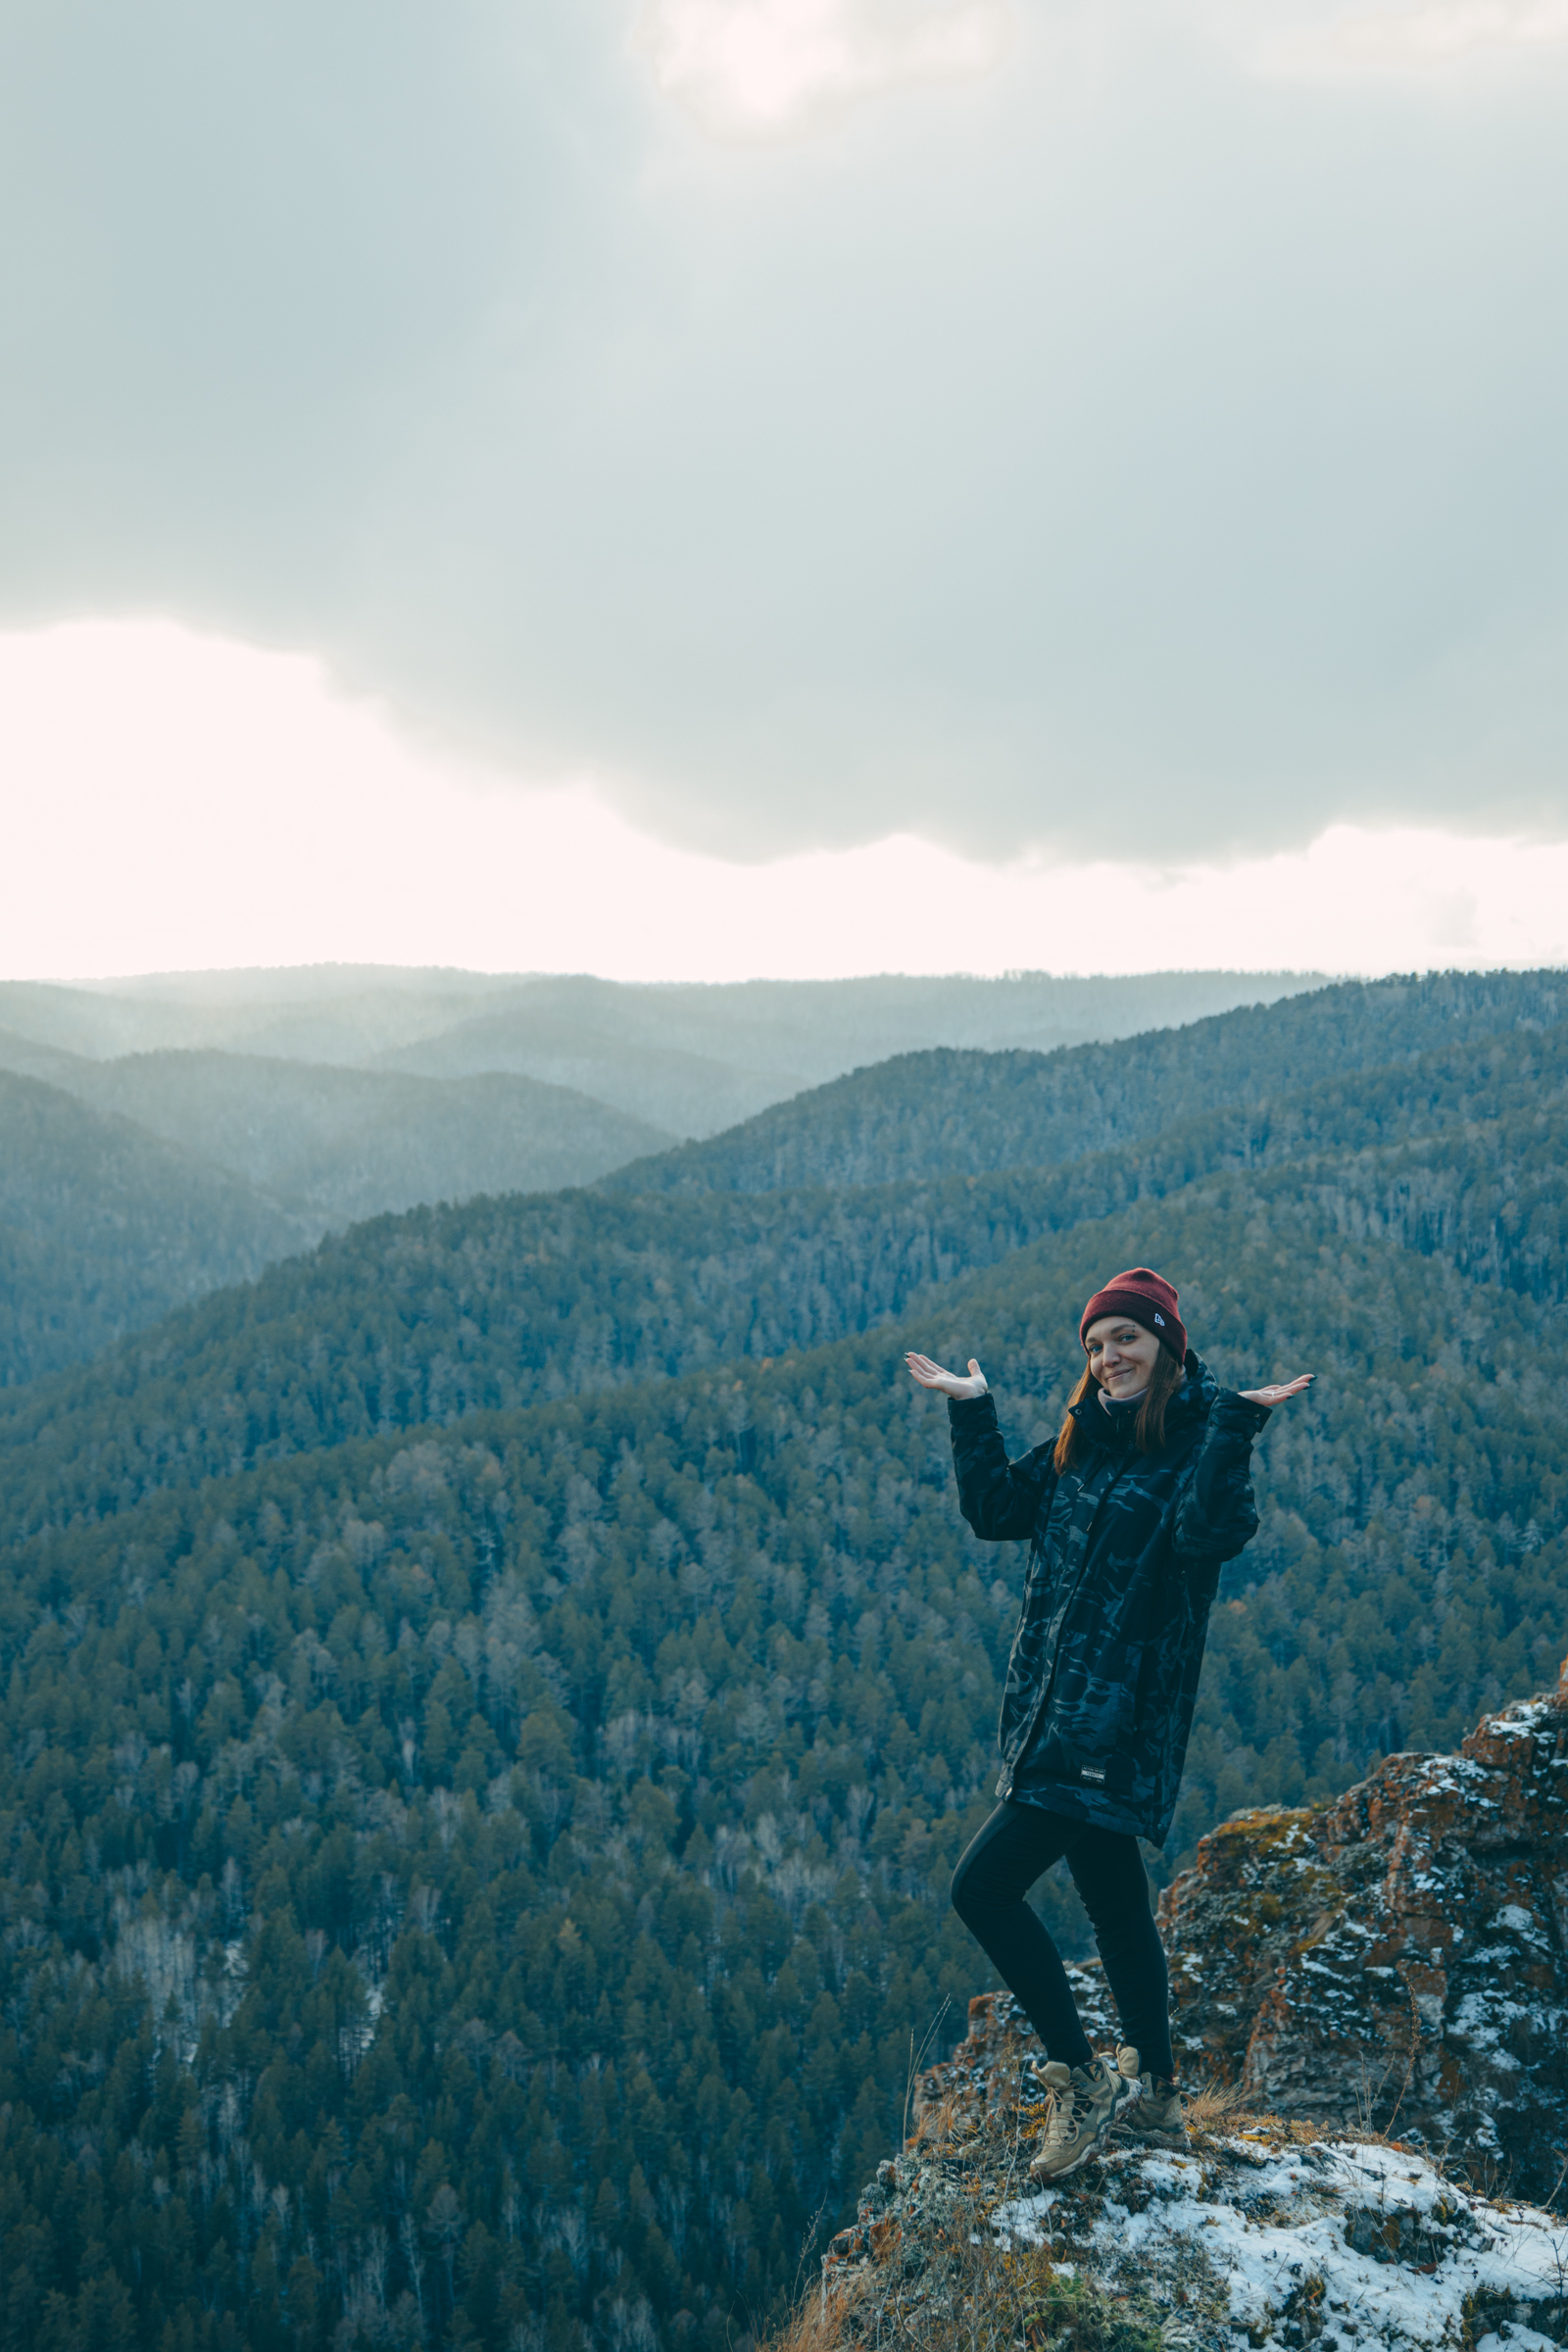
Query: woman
point(1129, 1515)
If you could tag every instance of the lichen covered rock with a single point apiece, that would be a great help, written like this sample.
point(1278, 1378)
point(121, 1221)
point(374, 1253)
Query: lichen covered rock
point(1260, 2238)
point(1399, 1957)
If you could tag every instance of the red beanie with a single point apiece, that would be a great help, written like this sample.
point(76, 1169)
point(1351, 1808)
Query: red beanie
point(1143, 1297)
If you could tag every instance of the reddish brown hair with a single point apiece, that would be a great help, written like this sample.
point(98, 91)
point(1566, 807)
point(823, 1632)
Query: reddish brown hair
point(1149, 1430)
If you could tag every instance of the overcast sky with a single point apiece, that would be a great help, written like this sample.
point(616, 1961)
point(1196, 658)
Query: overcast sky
point(1055, 432)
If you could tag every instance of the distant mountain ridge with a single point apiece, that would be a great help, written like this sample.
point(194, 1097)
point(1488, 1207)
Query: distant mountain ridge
point(690, 1094)
point(338, 1093)
point(349, 1014)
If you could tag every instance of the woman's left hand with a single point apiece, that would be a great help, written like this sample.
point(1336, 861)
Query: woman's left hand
point(1277, 1395)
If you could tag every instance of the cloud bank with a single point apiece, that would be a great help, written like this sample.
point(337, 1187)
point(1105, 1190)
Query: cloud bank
point(826, 419)
point(171, 801)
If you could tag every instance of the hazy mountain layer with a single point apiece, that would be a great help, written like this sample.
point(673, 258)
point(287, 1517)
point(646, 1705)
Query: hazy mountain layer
point(426, 1318)
point(691, 1059)
point(103, 1228)
point(691, 1094)
point(323, 1012)
point(351, 1144)
point(173, 1174)
point(328, 1146)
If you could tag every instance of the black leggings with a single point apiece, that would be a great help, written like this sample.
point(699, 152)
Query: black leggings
point(1016, 1844)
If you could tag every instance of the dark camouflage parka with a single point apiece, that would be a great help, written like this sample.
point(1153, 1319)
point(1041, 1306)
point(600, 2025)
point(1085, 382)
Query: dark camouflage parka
point(1125, 1550)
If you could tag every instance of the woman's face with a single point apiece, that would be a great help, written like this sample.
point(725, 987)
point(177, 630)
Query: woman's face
point(1121, 1355)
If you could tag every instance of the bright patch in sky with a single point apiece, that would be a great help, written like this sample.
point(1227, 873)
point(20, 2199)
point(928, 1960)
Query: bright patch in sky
point(749, 67)
point(1417, 37)
point(171, 801)
point(761, 66)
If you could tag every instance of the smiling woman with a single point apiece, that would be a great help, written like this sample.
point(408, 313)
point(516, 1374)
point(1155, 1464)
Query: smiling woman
point(1129, 1517)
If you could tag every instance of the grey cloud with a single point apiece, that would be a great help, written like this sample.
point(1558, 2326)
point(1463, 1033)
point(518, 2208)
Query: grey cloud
point(1120, 452)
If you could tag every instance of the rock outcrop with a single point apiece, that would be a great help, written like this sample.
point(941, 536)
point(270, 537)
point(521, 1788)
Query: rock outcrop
point(1375, 1994)
point(1262, 2234)
point(1397, 1958)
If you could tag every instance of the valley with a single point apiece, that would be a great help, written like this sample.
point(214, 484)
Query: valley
point(491, 1705)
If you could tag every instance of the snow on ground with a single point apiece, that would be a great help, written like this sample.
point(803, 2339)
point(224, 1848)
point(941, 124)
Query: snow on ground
point(1335, 2242)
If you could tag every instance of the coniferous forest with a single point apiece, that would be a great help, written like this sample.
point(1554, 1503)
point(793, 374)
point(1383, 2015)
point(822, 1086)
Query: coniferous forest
point(491, 1707)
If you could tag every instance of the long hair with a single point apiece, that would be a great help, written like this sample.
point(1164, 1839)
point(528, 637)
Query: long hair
point(1149, 1430)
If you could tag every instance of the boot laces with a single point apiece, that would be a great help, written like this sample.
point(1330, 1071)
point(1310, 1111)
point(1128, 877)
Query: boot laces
point(1067, 2108)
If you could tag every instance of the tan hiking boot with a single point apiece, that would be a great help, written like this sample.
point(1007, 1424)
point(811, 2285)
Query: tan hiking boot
point(1084, 2100)
point(1154, 2114)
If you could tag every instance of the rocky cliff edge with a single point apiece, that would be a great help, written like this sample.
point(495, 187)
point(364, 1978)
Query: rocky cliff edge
point(1399, 1958)
point(1369, 2002)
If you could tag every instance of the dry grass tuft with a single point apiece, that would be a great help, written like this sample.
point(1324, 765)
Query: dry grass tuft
point(820, 2322)
point(1223, 2119)
point(943, 2281)
point(1218, 2111)
point(948, 2119)
point(985, 2298)
point(1211, 2107)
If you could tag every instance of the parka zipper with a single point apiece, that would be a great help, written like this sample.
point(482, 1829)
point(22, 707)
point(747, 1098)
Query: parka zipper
point(1108, 1472)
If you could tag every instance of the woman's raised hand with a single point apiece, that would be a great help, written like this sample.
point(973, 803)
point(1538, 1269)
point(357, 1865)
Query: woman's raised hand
point(951, 1384)
point(1289, 1387)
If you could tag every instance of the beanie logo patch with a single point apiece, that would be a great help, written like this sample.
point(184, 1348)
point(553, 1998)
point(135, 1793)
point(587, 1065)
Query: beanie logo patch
point(1160, 1318)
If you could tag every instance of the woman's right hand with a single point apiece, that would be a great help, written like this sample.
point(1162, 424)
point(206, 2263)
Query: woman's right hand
point(950, 1384)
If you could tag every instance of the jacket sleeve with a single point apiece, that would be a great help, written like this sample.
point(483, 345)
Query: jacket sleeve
point(1000, 1499)
point(1216, 1516)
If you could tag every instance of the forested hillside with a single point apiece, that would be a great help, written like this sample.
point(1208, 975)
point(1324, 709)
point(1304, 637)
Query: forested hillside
point(954, 1113)
point(499, 1303)
point(488, 1712)
point(487, 1880)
